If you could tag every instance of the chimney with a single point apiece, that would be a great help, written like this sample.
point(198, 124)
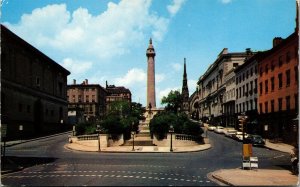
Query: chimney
point(86, 81)
point(74, 81)
point(276, 41)
point(248, 51)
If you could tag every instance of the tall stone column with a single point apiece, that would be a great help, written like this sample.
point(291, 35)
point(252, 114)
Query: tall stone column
point(151, 76)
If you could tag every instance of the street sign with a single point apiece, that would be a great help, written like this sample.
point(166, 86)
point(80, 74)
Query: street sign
point(247, 150)
point(3, 130)
point(266, 127)
point(20, 127)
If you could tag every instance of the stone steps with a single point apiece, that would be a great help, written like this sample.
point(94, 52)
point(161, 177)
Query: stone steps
point(139, 142)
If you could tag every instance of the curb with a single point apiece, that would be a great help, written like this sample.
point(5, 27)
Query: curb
point(68, 148)
point(220, 179)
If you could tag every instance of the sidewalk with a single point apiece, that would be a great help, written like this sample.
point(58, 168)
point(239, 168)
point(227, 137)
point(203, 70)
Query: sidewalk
point(138, 149)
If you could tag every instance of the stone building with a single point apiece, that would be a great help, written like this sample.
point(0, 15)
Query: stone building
point(116, 93)
point(212, 87)
point(89, 98)
point(33, 89)
point(278, 88)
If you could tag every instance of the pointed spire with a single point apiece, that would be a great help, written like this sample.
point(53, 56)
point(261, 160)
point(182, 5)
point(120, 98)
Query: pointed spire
point(150, 41)
point(184, 70)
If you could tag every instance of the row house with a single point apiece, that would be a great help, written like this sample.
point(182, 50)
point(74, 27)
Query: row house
point(212, 86)
point(33, 89)
point(87, 102)
point(246, 95)
point(278, 89)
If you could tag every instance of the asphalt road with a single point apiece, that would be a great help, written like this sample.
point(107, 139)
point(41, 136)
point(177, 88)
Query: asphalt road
point(47, 162)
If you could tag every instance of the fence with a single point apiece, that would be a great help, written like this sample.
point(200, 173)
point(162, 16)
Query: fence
point(186, 137)
point(88, 137)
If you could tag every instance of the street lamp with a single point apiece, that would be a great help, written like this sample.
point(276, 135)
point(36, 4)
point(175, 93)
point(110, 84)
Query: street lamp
point(99, 131)
point(171, 130)
point(132, 133)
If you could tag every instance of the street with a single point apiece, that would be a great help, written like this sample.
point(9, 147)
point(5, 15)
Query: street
point(47, 162)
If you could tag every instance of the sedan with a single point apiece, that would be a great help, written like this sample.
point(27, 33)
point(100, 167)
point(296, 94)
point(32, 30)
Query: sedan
point(230, 132)
point(211, 127)
point(219, 129)
point(239, 136)
point(255, 140)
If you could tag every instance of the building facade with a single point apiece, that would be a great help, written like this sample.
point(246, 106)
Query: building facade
point(212, 85)
point(246, 77)
point(278, 88)
point(33, 89)
point(116, 93)
point(89, 98)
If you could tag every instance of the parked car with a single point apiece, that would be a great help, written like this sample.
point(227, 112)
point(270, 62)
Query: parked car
point(211, 127)
point(255, 140)
point(229, 132)
point(239, 136)
point(219, 129)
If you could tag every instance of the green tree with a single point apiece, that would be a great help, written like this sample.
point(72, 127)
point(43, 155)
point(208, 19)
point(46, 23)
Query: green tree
point(172, 101)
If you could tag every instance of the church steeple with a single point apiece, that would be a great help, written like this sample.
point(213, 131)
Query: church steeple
point(185, 91)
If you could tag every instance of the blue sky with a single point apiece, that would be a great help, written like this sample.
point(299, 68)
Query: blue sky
point(104, 40)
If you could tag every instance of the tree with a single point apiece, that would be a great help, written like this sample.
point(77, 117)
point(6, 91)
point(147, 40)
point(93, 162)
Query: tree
point(173, 101)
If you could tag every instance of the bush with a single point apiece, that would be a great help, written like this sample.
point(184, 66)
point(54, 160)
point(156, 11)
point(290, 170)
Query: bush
point(160, 125)
point(85, 128)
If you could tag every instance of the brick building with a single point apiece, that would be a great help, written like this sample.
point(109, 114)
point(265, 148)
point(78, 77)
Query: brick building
point(33, 89)
point(278, 88)
point(89, 98)
point(116, 93)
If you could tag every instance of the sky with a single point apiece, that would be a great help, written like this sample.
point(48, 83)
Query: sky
point(106, 40)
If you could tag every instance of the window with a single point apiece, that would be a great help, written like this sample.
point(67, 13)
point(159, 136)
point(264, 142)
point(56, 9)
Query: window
point(235, 65)
point(247, 103)
point(296, 74)
point(260, 88)
point(279, 104)
point(280, 81)
point(237, 92)
point(79, 98)
point(37, 82)
point(280, 61)
point(73, 98)
point(243, 106)
point(288, 77)
point(91, 108)
point(255, 88)
point(267, 68)
point(288, 57)
point(251, 87)
point(20, 107)
point(247, 74)
point(272, 84)
point(266, 107)
point(243, 76)
point(28, 108)
point(93, 98)
point(255, 103)
point(240, 107)
point(272, 65)
point(240, 78)
point(255, 69)
point(288, 102)
point(260, 71)
point(243, 90)
point(236, 80)
point(260, 108)
point(251, 71)
point(251, 104)
point(60, 88)
point(266, 86)
point(272, 106)
point(240, 90)
point(87, 98)
point(237, 108)
point(296, 102)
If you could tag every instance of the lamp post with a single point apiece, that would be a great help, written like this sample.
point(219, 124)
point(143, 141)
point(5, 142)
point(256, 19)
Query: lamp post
point(98, 130)
point(171, 131)
point(132, 133)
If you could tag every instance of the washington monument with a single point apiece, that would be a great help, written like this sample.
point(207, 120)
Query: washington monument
point(150, 53)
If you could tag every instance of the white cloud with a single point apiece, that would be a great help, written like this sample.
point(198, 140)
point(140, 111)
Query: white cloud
point(106, 35)
point(176, 66)
point(165, 92)
point(133, 76)
point(226, 1)
point(76, 67)
point(175, 6)
point(159, 78)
